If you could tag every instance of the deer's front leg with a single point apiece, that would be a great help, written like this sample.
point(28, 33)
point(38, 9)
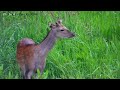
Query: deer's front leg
point(42, 65)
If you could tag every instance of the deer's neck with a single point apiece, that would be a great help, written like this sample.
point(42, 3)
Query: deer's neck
point(48, 43)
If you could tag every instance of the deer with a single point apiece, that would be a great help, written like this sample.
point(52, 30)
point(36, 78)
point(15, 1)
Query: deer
point(31, 56)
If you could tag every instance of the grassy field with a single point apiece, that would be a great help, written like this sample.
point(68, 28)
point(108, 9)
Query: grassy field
point(93, 54)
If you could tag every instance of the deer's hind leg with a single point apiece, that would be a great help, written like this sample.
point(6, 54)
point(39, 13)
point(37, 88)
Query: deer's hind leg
point(22, 69)
point(22, 73)
point(29, 70)
point(28, 74)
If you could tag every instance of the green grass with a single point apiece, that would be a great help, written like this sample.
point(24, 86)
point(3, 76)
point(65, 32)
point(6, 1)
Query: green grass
point(93, 54)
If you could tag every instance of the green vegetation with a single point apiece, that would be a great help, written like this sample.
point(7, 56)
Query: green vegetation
point(93, 54)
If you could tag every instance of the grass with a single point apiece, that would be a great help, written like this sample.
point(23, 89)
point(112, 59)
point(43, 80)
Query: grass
point(93, 54)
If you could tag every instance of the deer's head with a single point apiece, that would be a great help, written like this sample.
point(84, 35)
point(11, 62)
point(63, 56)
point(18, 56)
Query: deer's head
point(60, 30)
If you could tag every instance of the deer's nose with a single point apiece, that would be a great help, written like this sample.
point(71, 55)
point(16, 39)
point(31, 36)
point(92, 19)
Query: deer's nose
point(73, 35)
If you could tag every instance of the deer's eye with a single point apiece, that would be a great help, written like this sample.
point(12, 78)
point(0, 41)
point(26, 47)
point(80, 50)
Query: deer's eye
point(62, 30)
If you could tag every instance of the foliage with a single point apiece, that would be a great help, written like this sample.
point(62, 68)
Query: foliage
point(93, 53)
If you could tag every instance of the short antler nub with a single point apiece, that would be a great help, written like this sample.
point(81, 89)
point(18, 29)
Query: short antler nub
point(51, 25)
point(59, 21)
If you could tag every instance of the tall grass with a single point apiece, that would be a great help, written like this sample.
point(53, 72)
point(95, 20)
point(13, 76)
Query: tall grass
point(94, 53)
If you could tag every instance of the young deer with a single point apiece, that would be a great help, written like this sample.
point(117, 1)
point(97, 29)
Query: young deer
point(31, 57)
